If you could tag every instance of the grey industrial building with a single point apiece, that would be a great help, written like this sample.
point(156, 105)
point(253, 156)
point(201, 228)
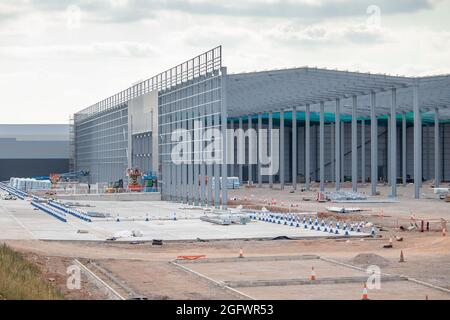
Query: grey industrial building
point(334, 126)
point(28, 150)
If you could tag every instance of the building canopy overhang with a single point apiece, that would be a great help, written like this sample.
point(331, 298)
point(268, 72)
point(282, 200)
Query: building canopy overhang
point(260, 92)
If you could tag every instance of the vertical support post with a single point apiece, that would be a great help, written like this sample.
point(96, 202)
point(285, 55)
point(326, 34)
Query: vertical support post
point(250, 150)
point(282, 150)
point(363, 152)
point(322, 146)
point(224, 113)
point(393, 144)
point(342, 151)
point(209, 166)
point(374, 144)
point(178, 179)
point(337, 143)
point(270, 145)
point(404, 159)
point(354, 145)
point(241, 143)
point(307, 146)
point(195, 156)
point(203, 166)
point(258, 134)
point(388, 153)
point(217, 162)
point(332, 151)
point(437, 154)
point(417, 131)
point(294, 148)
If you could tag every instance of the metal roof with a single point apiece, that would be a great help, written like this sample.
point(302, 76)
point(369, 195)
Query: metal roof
point(256, 92)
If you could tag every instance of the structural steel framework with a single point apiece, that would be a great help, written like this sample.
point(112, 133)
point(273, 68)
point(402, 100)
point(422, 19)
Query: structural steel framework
point(198, 98)
point(360, 97)
point(199, 91)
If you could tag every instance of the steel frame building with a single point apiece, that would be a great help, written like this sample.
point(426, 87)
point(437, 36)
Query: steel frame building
point(334, 125)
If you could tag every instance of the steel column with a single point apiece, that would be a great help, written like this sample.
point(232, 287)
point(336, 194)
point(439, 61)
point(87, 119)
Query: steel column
point(258, 134)
point(354, 145)
point(437, 154)
point(282, 150)
point(270, 145)
point(404, 159)
point(417, 131)
point(241, 142)
point(224, 114)
point(322, 146)
point(294, 148)
point(363, 152)
point(342, 173)
point(393, 144)
point(337, 144)
point(250, 148)
point(307, 146)
point(374, 144)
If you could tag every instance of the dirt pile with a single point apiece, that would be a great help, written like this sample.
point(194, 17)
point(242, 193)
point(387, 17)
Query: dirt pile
point(369, 259)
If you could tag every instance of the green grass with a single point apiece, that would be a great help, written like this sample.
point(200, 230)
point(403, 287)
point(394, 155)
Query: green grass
point(20, 279)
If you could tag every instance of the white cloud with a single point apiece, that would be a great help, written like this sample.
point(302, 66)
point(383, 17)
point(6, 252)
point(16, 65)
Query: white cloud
point(112, 49)
point(62, 70)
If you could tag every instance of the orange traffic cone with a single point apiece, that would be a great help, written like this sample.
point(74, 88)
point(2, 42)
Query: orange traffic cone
point(241, 253)
point(313, 274)
point(402, 258)
point(365, 295)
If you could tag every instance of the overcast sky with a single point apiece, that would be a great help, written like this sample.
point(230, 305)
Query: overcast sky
point(59, 56)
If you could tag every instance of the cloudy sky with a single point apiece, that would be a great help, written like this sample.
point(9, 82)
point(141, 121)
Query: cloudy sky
point(59, 56)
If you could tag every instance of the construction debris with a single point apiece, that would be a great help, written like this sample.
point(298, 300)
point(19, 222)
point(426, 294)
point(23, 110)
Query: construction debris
point(128, 234)
point(343, 210)
point(345, 195)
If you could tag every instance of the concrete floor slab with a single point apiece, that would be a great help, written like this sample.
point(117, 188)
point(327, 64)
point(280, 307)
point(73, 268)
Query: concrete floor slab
point(21, 221)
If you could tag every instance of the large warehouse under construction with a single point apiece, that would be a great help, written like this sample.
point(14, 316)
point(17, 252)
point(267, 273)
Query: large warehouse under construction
point(332, 127)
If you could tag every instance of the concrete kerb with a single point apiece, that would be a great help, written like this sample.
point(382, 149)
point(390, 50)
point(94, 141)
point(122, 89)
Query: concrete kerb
point(248, 259)
point(99, 283)
point(296, 282)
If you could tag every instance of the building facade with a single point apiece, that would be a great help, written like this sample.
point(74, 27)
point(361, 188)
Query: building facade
point(33, 150)
point(333, 126)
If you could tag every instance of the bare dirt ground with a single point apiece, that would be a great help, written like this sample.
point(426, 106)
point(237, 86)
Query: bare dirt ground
point(53, 270)
point(146, 268)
